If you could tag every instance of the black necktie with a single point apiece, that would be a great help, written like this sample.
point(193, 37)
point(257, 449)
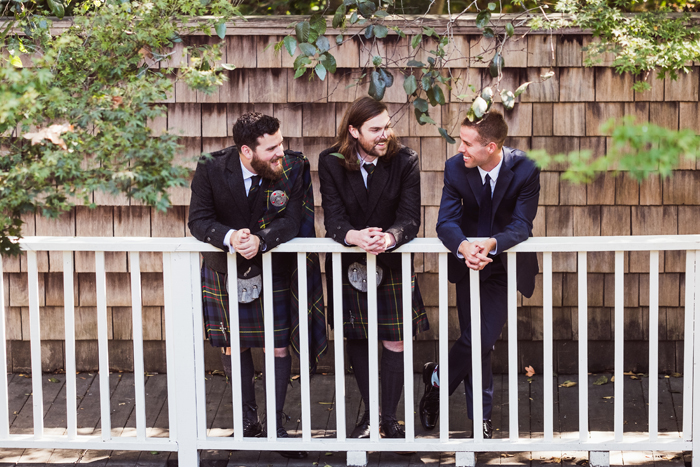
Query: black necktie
point(370, 170)
point(253, 191)
point(483, 228)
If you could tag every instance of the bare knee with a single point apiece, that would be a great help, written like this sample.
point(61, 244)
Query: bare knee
point(394, 346)
point(281, 352)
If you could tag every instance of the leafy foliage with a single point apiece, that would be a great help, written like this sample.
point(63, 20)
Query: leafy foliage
point(75, 106)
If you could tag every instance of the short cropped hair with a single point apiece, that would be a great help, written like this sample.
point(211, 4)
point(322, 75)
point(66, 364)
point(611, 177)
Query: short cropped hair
point(251, 126)
point(491, 128)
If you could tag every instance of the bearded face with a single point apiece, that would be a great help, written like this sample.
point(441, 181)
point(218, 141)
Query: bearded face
point(270, 169)
point(266, 158)
point(375, 135)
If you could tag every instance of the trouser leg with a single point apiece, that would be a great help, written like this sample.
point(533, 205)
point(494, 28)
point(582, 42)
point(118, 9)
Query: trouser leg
point(392, 382)
point(358, 353)
point(283, 370)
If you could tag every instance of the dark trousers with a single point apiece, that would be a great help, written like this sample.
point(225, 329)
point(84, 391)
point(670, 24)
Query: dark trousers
point(494, 313)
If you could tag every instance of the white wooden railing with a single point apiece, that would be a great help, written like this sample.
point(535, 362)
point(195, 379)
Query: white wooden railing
point(185, 353)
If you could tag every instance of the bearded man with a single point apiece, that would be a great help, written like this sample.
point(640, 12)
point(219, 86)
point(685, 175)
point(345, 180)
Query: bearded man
point(247, 199)
point(370, 188)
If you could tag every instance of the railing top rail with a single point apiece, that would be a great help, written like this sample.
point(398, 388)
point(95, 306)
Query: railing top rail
point(326, 245)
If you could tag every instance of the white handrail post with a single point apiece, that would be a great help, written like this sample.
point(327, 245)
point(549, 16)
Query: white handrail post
point(4, 409)
point(35, 337)
point(182, 302)
point(688, 350)
point(696, 368)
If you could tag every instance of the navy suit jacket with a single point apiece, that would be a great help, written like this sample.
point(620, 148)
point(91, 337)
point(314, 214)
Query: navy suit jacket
point(514, 204)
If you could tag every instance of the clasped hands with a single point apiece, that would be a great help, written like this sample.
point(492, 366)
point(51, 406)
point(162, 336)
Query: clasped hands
point(245, 243)
point(371, 239)
point(476, 253)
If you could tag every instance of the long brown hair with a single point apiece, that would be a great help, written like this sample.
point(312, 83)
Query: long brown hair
point(358, 113)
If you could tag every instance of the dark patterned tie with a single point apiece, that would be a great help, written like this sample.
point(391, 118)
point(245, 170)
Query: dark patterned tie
point(370, 170)
point(253, 191)
point(483, 228)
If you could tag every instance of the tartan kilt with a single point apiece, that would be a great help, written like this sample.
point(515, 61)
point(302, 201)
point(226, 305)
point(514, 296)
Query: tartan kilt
point(389, 308)
point(250, 315)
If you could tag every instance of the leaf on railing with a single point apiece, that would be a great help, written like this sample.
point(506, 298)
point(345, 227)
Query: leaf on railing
point(567, 384)
point(601, 381)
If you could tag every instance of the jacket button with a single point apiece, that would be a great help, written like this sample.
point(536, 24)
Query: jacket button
point(334, 235)
point(209, 239)
point(213, 230)
point(277, 239)
point(338, 228)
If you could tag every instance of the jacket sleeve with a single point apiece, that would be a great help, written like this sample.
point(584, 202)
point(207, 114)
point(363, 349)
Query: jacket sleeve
point(285, 226)
point(203, 221)
point(407, 222)
point(520, 226)
point(335, 215)
point(448, 228)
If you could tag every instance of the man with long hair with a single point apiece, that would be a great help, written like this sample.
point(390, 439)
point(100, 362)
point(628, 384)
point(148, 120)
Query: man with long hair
point(247, 199)
point(489, 202)
point(370, 188)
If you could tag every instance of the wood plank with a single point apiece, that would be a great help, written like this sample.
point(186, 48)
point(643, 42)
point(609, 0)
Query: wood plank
point(23, 422)
point(318, 120)
point(569, 53)
point(576, 85)
point(290, 117)
point(684, 89)
point(542, 50)
point(185, 119)
point(650, 191)
point(542, 124)
point(664, 114)
point(636, 410)
point(214, 124)
point(569, 119)
point(547, 91)
point(271, 86)
point(598, 113)
point(611, 86)
point(656, 93)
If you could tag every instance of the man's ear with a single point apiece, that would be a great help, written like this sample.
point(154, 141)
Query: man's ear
point(353, 131)
point(247, 152)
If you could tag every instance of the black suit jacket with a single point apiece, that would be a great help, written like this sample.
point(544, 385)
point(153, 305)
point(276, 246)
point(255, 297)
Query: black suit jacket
point(219, 203)
point(393, 201)
point(514, 207)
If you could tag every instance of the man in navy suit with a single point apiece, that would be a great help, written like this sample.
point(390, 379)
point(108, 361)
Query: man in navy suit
point(491, 192)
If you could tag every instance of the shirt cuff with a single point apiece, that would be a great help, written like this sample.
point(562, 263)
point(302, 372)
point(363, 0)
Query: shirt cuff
point(227, 241)
point(460, 255)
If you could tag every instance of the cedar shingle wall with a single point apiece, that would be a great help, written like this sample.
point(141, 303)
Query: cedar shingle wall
point(560, 115)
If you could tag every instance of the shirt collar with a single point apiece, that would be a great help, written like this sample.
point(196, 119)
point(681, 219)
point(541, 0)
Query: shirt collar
point(374, 162)
point(493, 173)
point(246, 173)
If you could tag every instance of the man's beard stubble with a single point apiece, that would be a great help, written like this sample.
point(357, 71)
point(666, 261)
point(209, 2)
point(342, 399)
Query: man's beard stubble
point(265, 170)
point(371, 149)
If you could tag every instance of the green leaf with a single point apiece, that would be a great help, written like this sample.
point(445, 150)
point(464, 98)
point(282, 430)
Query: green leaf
point(547, 75)
point(307, 49)
point(425, 83)
point(431, 97)
point(522, 88)
point(57, 8)
point(420, 104)
point(479, 106)
point(339, 39)
point(339, 16)
point(492, 6)
point(418, 115)
point(448, 138)
point(376, 60)
point(398, 31)
point(425, 118)
point(487, 95)
point(496, 65)
point(15, 61)
point(328, 61)
point(353, 17)
point(338, 155)
point(415, 63)
point(483, 18)
point(302, 30)
point(299, 72)
point(369, 31)
point(221, 29)
point(349, 2)
point(323, 44)
point(54, 380)
point(381, 14)
point(291, 45)
point(410, 85)
point(488, 33)
point(320, 71)
point(415, 42)
point(367, 9)
point(439, 96)
point(301, 61)
point(386, 76)
point(376, 86)
point(380, 31)
point(601, 381)
point(510, 30)
point(318, 25)
point(508, 99)
point(228, 66)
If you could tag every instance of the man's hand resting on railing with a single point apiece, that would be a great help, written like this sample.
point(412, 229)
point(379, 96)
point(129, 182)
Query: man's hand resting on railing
point(371, 239)
point(245, 243)
point(476, 253)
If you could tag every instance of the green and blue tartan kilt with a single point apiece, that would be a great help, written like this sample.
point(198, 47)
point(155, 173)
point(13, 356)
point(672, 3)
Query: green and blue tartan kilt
point(389, 308)
point(250, 315)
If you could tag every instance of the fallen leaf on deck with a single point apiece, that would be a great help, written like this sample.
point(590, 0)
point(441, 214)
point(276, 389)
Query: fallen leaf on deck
point(676, 375)
point(667, 376)
point(608, 397)
point(601, 381)
point(53, 380)
point(505, 454)
point(567, 384)
point(329, 453)
point(295, 377)
point(612, 379)
point(628, 373)
point(634, 377)
point(155, 453)
point(326, 403)
point(401, 422)
point(218, 372)
point(582, 462)
point(122, 403)
point(529, 371)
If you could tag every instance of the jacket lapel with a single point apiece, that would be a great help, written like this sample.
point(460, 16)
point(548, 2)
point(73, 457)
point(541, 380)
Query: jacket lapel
point(260, 204)
point(357, 185)
point(505, 175)
point(235, 183)
point(475, 183)
point(379, 180)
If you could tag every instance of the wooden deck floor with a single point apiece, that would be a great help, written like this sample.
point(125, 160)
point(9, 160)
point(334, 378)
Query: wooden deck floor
point(219, 420)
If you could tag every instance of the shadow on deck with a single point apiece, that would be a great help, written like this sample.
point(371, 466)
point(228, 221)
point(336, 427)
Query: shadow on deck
point(219, 421)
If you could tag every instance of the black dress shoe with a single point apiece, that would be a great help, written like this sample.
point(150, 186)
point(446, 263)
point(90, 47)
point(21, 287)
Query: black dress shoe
point(392, 429)
point(362, 428)
point(429, 407)
point(282, 433)
point(252, 428)
point(488, 429)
